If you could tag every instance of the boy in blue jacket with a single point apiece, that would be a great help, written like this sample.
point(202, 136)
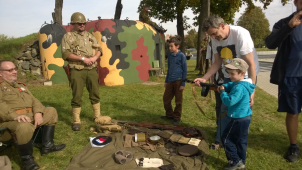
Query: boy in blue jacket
point(235, 135)
point(174, 86)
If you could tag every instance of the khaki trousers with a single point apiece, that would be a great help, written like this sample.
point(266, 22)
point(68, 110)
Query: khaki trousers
point(78, 80)
point(25, 130)
point(172, 89)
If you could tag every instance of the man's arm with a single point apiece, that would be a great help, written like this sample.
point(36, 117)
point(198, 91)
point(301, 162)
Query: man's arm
point(213, 69)
point(281, 31)
point(249, 59)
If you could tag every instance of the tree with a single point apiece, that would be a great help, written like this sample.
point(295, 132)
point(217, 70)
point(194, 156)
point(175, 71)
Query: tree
point(167, 10)
point(257, 24)
point(191, 39)
point(223, 8)
point(57, 15)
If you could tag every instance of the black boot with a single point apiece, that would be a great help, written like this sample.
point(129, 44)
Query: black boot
point(47, 141)
point(26, 152)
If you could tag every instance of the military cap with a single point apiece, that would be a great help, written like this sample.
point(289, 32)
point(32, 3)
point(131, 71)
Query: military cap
point(77, 17)
point(239, 64)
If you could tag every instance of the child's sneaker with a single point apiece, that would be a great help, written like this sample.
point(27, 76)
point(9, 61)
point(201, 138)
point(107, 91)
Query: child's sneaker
point(238, 166)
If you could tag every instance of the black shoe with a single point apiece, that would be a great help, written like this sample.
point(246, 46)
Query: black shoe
point(26, 151)
point(76, 127)
point(175, 122)
point(292, 154)
point(48, 145)
point(166, 118)
point(28, 163)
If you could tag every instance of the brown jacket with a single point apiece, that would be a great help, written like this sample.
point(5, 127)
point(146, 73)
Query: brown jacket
point(16, 96)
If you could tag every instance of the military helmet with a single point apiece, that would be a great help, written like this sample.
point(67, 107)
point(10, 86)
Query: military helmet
point(77, 17)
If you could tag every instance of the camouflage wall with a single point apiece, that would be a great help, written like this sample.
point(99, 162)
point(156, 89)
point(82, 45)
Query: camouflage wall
point(129, 50)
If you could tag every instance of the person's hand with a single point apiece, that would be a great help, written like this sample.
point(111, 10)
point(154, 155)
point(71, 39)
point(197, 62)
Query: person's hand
point(181, 88)
point(93, 59)
point(295, 21)
point(199, 80)
point(252, 99)
point(165, 85)
point(38, 119)
point(24, 118)
point(220, 88)
point(87, 61)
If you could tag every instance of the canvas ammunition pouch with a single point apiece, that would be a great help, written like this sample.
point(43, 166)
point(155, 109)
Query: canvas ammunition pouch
point(105, 123)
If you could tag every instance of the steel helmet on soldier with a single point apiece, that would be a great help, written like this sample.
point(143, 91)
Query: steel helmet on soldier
point(77, 17)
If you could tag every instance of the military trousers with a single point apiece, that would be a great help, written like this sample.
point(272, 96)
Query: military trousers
point(78, 80)
point(25, 130)
point(172, 89)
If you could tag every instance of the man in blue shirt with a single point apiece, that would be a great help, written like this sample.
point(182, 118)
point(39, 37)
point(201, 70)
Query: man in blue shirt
point(287, 73)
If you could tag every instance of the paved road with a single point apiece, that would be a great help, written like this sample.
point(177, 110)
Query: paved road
point(259, 56)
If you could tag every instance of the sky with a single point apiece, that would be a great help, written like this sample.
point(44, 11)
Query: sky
point(19, 18)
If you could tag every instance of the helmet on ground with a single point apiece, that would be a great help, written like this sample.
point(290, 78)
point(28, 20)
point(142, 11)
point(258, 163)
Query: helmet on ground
point(77, 17)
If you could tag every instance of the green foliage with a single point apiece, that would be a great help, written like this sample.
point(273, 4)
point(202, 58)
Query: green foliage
point(4, 37)
point(257, 24)
point(10, 47)
point(191, 39)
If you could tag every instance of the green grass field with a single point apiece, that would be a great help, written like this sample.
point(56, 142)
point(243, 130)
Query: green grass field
point(141, 103)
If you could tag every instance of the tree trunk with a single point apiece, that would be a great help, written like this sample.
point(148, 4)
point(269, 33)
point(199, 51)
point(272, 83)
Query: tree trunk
point(118, 9)
point(204, 13)
point(57, 15)
point(180, 27)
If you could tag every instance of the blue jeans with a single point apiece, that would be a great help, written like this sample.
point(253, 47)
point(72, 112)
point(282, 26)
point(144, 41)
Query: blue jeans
point(234, 139)
point(222, 122)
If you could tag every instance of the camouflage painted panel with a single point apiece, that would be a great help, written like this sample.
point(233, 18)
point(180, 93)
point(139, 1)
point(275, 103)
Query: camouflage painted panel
point(123, 43)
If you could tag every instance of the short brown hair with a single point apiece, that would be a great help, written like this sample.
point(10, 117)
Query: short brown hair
point(237, 70)
point(176, 40)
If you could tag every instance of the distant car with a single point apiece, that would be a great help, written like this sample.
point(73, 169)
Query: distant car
point(188, 54)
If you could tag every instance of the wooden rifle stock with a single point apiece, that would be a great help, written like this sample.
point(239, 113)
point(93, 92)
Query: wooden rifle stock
point(155, 126)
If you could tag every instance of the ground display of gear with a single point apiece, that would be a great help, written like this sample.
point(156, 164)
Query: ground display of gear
point(141, 155)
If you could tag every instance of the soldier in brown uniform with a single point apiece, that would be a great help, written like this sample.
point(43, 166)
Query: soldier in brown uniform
point(144, 17)
point(81, 50)
point(22, 113)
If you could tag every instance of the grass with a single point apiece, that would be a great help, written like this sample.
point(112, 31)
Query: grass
point(268, 139)
point(11, 47)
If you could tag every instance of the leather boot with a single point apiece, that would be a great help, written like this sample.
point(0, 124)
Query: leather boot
point(48, 145)
point(97, 110)
point(26, 151)
point(76, 126)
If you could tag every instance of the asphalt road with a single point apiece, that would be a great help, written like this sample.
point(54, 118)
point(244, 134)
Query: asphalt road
point(259, 56)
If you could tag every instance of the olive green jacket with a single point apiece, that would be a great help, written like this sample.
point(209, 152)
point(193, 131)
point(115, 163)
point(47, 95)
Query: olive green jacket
point(16, 96)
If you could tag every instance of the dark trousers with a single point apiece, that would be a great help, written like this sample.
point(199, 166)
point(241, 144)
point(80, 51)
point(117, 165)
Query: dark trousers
point(234, 139)
point(218, 105)
point(172, 89)
point(84, 78)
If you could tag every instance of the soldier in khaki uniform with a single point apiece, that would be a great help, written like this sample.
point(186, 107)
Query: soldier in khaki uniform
point(22, 113)
point(204, 43)
point(144, 17)
point(81, 50)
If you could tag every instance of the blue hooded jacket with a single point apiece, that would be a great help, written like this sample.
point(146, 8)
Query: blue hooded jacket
point(239, 98)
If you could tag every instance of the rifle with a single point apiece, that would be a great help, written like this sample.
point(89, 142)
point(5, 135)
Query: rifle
point(205, 87)
point(154, 126)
